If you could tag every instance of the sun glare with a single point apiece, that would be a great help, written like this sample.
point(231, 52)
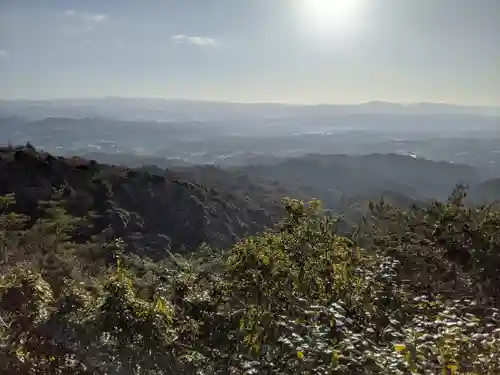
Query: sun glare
point(331, 16)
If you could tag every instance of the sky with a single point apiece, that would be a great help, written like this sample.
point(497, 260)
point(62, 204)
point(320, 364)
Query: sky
point(295, 51)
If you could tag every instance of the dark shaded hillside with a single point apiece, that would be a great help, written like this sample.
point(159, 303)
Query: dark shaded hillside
point(485, 192)
point(150, 212)
point(134, 161)
point(238, 185)
point(368, 175)
point(359, 206)
point(270, 192)
point(345, 184)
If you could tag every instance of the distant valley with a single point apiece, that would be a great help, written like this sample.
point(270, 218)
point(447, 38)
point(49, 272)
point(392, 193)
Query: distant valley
point(230, 134)
point(342, 155)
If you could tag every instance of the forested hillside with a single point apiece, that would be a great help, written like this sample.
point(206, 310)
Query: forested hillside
point(368, 175)
point(344, 183)
point(89, 284)
point(150, 212)
point(487, 191)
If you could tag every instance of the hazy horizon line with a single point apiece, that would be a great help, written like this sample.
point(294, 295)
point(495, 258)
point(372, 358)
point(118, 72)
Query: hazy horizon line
point(221, 101)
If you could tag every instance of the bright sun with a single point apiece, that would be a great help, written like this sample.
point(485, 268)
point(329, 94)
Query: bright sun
point(331, 16)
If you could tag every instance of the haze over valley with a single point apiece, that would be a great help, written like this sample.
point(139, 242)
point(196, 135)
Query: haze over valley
point(342, 154)
point(227, 133)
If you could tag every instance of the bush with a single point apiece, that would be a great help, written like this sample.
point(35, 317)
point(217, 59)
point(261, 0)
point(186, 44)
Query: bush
point(412, 292)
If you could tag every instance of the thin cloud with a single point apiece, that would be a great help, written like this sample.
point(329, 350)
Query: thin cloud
point(97, 18)
point(89, 20)
point(3, 53)
point(194, 40)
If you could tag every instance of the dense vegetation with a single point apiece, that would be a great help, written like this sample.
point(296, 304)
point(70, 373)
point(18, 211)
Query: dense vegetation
point(406, 292)
point(150, 212)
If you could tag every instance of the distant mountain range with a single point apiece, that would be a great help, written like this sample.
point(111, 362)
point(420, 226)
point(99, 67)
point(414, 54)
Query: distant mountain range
point(465, 139)
point(197, 110)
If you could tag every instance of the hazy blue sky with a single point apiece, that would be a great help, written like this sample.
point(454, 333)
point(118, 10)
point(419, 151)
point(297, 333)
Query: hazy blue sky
point(252, 50)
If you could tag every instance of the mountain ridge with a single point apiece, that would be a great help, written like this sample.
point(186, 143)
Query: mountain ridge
point(136, 106)
point(141, 208)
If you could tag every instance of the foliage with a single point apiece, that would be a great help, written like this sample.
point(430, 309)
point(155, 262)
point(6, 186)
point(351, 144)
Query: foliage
point(151, 213)
point(407, 292)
